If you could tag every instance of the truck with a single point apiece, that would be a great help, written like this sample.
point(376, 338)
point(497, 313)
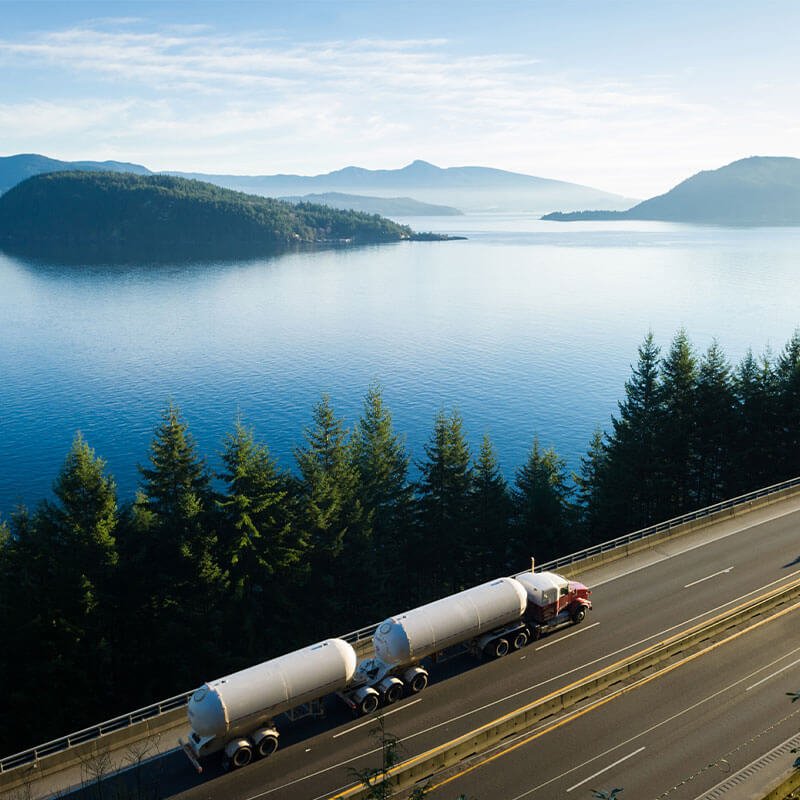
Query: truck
point(235, 714)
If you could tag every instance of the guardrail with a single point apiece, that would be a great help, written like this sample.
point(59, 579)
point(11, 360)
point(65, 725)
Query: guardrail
point(422, 767)
point(34, 754)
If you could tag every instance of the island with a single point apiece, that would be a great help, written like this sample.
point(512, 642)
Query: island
point(760, 190)
point(385, 206)
point(159, 212)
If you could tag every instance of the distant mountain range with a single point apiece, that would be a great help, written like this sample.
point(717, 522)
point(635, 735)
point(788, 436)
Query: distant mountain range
point(465, 188)
point(761, 190)
point(15, 169)
point(385, 206)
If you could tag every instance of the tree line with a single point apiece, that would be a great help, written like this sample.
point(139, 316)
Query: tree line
point(110, 605)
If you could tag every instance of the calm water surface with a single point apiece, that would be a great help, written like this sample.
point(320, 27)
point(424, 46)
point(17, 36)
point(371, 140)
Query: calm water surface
point(528, 327)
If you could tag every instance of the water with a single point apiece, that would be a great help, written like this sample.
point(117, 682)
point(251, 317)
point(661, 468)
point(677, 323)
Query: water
point(528, 327)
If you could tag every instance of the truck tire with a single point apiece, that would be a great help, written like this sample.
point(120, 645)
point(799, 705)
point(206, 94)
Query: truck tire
point(497, 648)
point(520, 640)
point(418, 683)
point(578, 614)
point(393, 693)
point(368, 704)
point(242, 757)
point(267, 746)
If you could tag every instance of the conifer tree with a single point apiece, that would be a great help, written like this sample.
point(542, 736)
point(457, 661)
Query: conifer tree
point(589, 490)
point(491, 512)
point(330, 515)
point(257, 544)
point(678, 427)
point(715, 426)
point(444, 506)
point(171, 554)
point(631, 494)
point(380, 463)
point(541, 496)
point(787, 374)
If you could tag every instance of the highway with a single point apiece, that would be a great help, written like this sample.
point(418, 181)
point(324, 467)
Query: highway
point(638, 601)
point(674, 735)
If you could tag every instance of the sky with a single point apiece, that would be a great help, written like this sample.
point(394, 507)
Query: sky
point(629, 97)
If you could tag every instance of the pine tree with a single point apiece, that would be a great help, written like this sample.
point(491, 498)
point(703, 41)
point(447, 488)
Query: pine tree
point(630, 497)
point(380, 463)
point(330, 516)
point(715, 426)
point(541, 496)
point(491, 512)
point(171, 557)
point(257, 545)
point(589, 485)
point(787, 373)
point(444, 492)
point(678, 429)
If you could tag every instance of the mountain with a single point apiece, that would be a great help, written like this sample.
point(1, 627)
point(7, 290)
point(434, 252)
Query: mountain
point(467, 188)
point(14, 169)
point(160, 213)
point(761, 190)
point(385, 206)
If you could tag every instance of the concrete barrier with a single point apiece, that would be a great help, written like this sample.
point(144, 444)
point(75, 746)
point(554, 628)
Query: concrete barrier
point(425, 765)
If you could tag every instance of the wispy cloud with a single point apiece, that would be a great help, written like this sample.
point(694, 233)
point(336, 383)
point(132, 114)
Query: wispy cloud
point(254, 103)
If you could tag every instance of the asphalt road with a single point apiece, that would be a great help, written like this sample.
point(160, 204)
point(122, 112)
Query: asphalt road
point(638, 601)
point(675, 736)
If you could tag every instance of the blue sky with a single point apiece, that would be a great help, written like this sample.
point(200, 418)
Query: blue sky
point(628, 97)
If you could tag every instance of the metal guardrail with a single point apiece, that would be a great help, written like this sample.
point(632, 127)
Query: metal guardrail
point(33, 754)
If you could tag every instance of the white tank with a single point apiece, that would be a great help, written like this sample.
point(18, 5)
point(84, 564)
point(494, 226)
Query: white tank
point(417, 633)
point(272, 687)
point(543, 587)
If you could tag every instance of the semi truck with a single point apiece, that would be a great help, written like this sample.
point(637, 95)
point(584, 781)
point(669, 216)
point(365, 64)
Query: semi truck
point(235, 714)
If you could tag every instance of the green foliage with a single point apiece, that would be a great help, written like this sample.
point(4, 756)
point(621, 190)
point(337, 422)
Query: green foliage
point(157, 211)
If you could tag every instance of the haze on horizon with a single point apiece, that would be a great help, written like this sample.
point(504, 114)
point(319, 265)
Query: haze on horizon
point(627, 97)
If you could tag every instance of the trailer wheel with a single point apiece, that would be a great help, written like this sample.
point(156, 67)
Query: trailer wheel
point(418, 682)
point(498, 648)
point(242, 757)
point(393, 693)
point(368, 703)
point(579, 614)
point(520, 640)
point(267, 746)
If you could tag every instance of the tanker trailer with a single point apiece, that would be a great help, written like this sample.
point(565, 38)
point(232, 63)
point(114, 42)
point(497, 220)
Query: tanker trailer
point(235, 713)
point(553, 601)
point(487, 619)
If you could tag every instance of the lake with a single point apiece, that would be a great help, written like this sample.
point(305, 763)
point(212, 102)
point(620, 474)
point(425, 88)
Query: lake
point(527, 327)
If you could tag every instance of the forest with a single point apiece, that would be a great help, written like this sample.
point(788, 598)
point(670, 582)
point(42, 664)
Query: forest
point(110, 604)
point(108, 209)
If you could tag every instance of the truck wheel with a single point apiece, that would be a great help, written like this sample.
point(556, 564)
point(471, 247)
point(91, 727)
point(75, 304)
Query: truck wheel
point(368, 704)
point(242, 757)
point(267, 746)
point(579, 614)
point(498, 648)
point(393, 693)
point(520, 640)
point(418, 682)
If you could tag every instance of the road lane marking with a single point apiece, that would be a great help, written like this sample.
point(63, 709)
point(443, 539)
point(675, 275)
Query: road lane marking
point(689, 549)
point(777, 672)
point(586, 709)
point(708, 577)
point(606, 769)
point(372, 721)
point(566, 636)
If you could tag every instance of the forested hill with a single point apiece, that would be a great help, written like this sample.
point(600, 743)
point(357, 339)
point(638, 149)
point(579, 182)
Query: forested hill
point(65, 209)
point(752, 191)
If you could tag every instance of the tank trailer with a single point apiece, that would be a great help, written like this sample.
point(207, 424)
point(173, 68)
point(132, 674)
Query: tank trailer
point(235, 714)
